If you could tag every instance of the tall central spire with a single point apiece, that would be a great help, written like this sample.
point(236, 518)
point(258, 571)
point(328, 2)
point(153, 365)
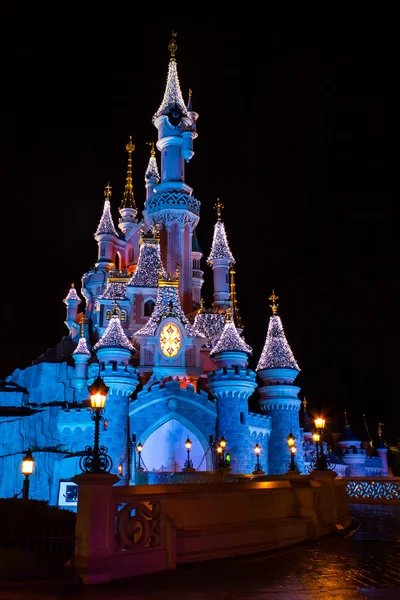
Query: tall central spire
point(128, 200)
point(172, 95)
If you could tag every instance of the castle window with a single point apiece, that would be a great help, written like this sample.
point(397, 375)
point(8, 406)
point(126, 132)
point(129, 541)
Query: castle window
point(108, 315)
point(148, 307)
point(122, 315)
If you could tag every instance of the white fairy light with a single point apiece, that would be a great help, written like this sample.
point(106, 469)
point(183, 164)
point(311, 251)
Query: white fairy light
point(81, 347)
point(172, 94)
point(230, 341)
point(146, 274)
point(72, 295)
point(114, 336)
point(115, 290)
point(276, 353)
point(106, 224)
point(210, 325)
point(220, 247)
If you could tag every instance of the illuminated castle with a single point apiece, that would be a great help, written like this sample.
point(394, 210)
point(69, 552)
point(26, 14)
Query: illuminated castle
point(174, 368)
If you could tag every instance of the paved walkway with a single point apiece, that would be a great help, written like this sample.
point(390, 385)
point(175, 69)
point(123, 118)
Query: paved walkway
point(365, 564)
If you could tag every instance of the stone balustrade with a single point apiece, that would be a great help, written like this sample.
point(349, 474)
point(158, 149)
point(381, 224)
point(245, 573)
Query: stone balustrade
point(370, 490)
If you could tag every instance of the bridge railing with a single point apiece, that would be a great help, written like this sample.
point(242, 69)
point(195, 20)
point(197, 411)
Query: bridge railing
point(373, 490)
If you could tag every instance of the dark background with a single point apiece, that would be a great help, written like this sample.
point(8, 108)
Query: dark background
point(291, 139)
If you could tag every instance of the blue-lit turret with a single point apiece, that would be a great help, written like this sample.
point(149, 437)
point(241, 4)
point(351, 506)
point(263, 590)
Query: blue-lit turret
point(220, 259)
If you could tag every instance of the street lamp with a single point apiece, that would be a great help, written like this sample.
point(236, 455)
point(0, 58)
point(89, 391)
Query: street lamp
point(96, 459)
point(321, 463)
point(293, 468)
point(27, 470)
point(222, 445)
point(188, 462)
point(257, 468)
point(219, 452)
point(139, 449)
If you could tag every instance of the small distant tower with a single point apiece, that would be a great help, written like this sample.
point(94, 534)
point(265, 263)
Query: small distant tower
point(382, 452)
point(232, 384)
point(127, 209)
point(72, 302)
point(114, 351)
point(81, 355)
point(106, 235)
point(152, 176)
point(278, 369)
point(221, 259)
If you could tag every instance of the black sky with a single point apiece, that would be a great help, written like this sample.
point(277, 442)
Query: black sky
point(291, 139)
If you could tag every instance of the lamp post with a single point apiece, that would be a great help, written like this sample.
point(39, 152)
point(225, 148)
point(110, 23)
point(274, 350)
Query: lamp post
point(222, 445)
point(257, 469)
point(293, 468)
point(321, 463)
point(219, 452)
point(96, 459)
point(139, 449)
point(27, 470)
point(188, 462)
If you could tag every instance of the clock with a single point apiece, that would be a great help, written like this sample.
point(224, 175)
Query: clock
point(174, 115)
point(170, 340)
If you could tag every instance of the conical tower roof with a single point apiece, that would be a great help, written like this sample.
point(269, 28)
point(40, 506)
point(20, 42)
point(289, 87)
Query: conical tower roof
point(152, 168)
point(347, 435)
point(230, 340)
point(172, 95)
point(276, 353)
point(149, 264)
point(220, 247)
point(106, 224)
point(72, 295)
point(114, 336)
point(81, 347)
point(115, 290)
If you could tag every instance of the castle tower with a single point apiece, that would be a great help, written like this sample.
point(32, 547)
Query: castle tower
point(106, 235)
point(152, 176)
point(232, 384)
point(72, 302)
point(220, 259)
point(127, 209)
point(170, 203)
point(197, 279)
point(81, 355)
point(113, 352)
point(278, 369)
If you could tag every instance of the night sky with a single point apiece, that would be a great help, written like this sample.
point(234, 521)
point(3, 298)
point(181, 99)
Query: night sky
point(291, 139)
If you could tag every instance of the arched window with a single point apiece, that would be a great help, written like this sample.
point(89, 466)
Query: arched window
point(122, 315)
point(148, 307)
point(108, 315)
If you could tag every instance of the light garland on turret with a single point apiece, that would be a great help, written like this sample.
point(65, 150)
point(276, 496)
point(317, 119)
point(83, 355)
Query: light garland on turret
point(172, 94)
point(152, 168)
point(230, 341)
point(115, 290)
point(220, 247)
point(168, 305)
point(276, 353)
point(146, 274)
point(106, 224)
point(72, 295)
point(81, 347)
point(209, 324)
point(114, 336)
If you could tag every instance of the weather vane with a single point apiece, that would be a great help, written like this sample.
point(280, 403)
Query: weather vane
point(218, 206)
point(107, 191)
point(274, 306)
point(172, 47)
point(152, 151)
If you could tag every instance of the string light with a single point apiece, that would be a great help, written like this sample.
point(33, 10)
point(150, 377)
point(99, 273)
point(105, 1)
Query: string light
point(106, 224)
point(115, 290)
point(220, 247)
point(210, 325)
point(81, 347)
point(114, 336)
point(146, 274)
point(168, 305)
point(230, 341)
point(276, 353)
point(172, 94)
point(72, 295)
point(152, 169)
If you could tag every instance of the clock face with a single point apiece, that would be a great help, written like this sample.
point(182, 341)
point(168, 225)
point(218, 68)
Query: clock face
point(170, 340)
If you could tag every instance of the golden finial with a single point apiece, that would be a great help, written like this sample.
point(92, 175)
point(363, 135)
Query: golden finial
point(152, 151)
point(130, 147)
point(107, 191)
point(72, 285)
point(232, 296)
point(380, 425)
point(304, 404)
point(218, 206)
point(274, 306)
point(228, 315)
point(172, 47)
point(82, 328)
point(190, 93)
point(201, 307)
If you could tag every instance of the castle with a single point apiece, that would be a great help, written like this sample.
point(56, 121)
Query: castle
point(174, 368)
